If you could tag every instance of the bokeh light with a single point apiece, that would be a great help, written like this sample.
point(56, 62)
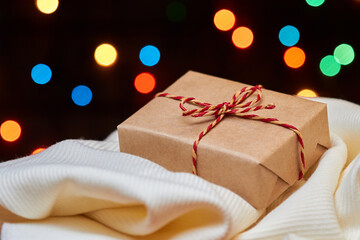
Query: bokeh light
point(329, 66)
point(41, 73)
point(315, 3)
point(47, 6)
point(10, 130)
point(149, 55)
point(224, 20)
point(344, 54)
point(81, 95)
point(105, 54)
point(176, 11)
point(289, 35)
point(294, 57)
point(307, 93)
point(144, 83)
point(37, 150)
point(242, 37)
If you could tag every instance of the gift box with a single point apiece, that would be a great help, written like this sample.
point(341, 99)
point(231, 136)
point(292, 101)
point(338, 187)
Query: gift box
point(256, 159)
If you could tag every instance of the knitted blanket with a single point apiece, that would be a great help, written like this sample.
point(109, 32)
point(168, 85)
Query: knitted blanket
point(84, 189)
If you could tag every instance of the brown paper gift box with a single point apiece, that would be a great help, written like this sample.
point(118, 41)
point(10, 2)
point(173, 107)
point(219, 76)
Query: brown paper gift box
point(256, 160)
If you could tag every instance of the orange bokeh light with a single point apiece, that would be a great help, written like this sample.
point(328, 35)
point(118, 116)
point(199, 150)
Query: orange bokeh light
point(307, 93)
point(10, 130)
point(144, 82)
point(224, 20)
point(37, 150)
point(294, 57)
point(242, 37)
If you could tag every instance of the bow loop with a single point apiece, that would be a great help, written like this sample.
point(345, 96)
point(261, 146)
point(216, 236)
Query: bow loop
point(232, 107)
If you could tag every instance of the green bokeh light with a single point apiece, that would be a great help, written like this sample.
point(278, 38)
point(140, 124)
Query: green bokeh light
point(176, 11)
point(315, 3)
point(344, 54)
point(329, 66)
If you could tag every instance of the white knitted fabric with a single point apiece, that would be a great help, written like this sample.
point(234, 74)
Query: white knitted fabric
point(79, 189)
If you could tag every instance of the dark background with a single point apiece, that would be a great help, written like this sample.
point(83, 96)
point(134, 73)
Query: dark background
point(66, 40)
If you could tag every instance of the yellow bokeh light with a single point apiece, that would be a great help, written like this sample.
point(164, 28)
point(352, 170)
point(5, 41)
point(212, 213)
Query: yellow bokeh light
point(105, 54)
point(307, 93)
point(47, 6)
point(242, 37)
point(224, 20)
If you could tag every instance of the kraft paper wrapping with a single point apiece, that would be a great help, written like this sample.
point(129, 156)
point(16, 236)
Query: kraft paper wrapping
point(256, 160)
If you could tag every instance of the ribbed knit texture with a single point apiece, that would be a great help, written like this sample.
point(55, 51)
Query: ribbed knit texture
point(82, 189)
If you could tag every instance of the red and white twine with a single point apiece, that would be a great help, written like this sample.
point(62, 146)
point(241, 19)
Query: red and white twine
point(238, 107)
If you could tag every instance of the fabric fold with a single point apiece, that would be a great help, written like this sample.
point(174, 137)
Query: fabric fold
point(121, 191)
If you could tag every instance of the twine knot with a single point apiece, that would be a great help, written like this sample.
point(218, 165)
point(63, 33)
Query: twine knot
point(236, 106)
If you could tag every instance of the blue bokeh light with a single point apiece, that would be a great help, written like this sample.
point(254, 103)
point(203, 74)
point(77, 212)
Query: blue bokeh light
point(41, 73)
point(289, 35)
point(149, 55)
point(81, 95)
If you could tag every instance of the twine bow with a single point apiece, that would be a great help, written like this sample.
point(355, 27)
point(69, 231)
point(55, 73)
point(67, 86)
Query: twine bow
point(238, 107)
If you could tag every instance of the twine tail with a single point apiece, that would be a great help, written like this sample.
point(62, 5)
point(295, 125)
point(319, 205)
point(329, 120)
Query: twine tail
point(287, 126)
point(196, 142)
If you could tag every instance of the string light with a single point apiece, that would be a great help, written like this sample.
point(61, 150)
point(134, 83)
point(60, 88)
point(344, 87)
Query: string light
point(10, 130)
point(307, 93)
point(242, 37)
point(344, 54)
point(81, 95)
point(289, 35)
point(315, 3)
point(329, 66)
point(149, 55)
point(294, 57)
point(176, 11)
point(105, 54)
point(224, 20)
point(144, 83)
point(41, 73)
point(47, 6)
point(37, 150)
